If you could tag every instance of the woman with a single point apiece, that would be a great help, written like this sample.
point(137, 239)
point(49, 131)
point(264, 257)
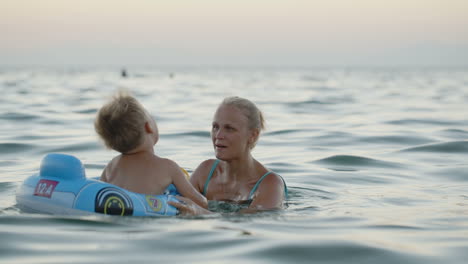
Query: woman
point(235, 176)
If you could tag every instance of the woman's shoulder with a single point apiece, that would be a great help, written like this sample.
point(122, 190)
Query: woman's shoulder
point(271, 193)
point(200, 174)
point(269, 175)
point(207, 164)
point(272, 181)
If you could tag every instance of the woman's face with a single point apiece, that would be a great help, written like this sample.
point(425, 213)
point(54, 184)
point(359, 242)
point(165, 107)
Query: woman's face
point(229, 133)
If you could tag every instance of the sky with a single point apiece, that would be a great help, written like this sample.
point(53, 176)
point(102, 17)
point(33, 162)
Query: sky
point(234, 32)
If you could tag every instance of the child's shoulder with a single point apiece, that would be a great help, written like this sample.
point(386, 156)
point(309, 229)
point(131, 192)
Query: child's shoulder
point(166, 162)
point(113, 163)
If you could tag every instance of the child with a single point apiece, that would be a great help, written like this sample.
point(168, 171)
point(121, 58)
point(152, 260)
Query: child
point(125, 126)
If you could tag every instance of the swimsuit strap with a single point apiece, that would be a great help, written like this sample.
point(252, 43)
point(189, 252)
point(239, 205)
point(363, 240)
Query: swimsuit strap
point(215, 164)
point(209, 177)
point(261, 179)
point(258, 183)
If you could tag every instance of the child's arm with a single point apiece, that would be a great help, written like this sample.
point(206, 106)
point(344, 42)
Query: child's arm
point(185, 188)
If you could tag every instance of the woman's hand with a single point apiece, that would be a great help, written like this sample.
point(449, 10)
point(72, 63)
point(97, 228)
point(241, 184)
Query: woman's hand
point(188, 207)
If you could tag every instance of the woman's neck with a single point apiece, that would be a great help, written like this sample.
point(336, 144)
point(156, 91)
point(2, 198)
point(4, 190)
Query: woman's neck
point(241, 169)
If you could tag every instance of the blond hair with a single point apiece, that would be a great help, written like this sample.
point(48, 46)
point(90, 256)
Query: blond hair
point(254, 116)
point(120, 123)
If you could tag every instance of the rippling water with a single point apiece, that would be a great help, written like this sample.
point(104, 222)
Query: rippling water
point(375, 161)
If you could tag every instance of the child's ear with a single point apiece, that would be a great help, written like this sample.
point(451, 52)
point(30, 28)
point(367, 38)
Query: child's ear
point(148, 128)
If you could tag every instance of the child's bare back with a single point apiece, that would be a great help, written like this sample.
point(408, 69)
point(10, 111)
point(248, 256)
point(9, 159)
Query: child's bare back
point(140, 172)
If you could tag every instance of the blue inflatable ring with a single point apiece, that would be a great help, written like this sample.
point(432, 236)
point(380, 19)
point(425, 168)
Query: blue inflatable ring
point(61, 187)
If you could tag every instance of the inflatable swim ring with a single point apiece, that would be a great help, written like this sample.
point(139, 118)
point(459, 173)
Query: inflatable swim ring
point(61, 187)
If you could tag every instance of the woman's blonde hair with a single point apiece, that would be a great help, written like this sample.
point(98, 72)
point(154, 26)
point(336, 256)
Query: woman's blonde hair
point(254, 116)
point(120, 123)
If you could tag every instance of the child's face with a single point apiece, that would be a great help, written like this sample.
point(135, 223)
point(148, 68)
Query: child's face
point(154, 128)
point(156, 131)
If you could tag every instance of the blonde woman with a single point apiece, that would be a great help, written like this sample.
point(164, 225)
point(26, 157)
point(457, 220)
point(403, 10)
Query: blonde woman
point(235, 176)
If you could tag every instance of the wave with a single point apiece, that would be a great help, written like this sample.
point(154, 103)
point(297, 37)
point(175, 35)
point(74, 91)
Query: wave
point(396, 140)
point(4, 186)
point(15, 116)
point(446, 147)
point(202, 134)
point(357, 161)
point(86, 111)
point(311, 251)
point(284, 131)
point(454, 174)
point(330, 100)
point(8, 148)
point(302, 198)
point(73, 148)
point(436, 122)
point(457, 134)
point(308, 102)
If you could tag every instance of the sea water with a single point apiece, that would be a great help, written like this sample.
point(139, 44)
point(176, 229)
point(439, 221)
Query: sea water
point(376, 161)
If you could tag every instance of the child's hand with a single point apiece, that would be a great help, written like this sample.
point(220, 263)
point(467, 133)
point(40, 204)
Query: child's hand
point(188, 207)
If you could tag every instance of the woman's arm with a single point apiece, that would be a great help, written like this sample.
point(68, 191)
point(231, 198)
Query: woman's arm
point(270, 194)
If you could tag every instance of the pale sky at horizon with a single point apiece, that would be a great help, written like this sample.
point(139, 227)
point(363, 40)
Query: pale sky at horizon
point(229, 32)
